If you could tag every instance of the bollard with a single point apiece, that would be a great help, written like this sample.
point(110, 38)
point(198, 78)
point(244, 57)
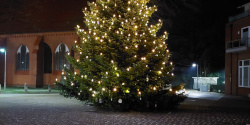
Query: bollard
point(49, 88)
point(25, 87)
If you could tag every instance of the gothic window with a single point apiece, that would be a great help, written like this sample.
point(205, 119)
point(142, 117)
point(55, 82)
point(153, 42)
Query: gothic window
point(60, 59)
point(22, 59)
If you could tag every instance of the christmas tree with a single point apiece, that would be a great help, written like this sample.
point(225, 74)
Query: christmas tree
point(121, 61)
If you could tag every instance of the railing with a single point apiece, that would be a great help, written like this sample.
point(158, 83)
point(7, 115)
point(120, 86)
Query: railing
point(237, 45)
point(241, 15)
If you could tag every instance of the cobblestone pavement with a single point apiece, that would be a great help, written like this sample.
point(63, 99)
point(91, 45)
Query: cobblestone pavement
point(53, 109)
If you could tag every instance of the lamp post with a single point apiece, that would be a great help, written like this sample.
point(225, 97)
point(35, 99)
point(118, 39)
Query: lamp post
point(4, 51)
point(196, 65)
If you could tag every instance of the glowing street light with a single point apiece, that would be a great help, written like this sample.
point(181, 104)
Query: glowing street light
point(196, 65)
point(4, 51)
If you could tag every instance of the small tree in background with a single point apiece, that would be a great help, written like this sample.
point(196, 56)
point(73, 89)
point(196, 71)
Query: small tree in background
point(121, 62)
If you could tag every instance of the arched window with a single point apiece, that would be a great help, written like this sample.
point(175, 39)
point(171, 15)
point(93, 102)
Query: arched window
point(60, 59)
point(22, 59)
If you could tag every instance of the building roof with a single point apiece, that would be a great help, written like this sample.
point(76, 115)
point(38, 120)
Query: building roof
point(247, 4)
point(25, 16)
point(2, 42)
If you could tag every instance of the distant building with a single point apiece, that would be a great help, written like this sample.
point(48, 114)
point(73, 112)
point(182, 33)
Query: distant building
point(237, 58)
point(36, 38)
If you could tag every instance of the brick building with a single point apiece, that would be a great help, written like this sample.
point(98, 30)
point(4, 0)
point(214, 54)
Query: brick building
point(237, 58)
point(35, 58)
point(36, 36)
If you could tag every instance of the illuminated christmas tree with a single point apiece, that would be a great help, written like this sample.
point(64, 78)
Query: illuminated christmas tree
point(121, 61)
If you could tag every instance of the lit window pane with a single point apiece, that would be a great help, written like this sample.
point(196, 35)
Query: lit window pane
point(240, 63)
point(245, 79)
point(246, 62)
point(240, 77)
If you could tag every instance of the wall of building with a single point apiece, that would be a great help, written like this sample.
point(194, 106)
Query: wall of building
point(233, 32)
point(32, 40)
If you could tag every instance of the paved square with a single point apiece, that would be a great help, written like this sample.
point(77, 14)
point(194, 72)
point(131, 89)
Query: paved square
point(54, 109)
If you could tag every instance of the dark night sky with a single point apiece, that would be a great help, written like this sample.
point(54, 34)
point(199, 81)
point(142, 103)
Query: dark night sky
point(197, 30)
point(196, 27)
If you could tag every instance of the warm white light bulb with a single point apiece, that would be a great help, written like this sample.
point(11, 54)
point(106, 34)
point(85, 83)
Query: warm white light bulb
point(154, 88)
point(143, 58)
point(127, 69)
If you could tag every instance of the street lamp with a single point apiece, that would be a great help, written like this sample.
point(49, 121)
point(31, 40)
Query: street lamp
point(4, 51)
point(196, 65)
